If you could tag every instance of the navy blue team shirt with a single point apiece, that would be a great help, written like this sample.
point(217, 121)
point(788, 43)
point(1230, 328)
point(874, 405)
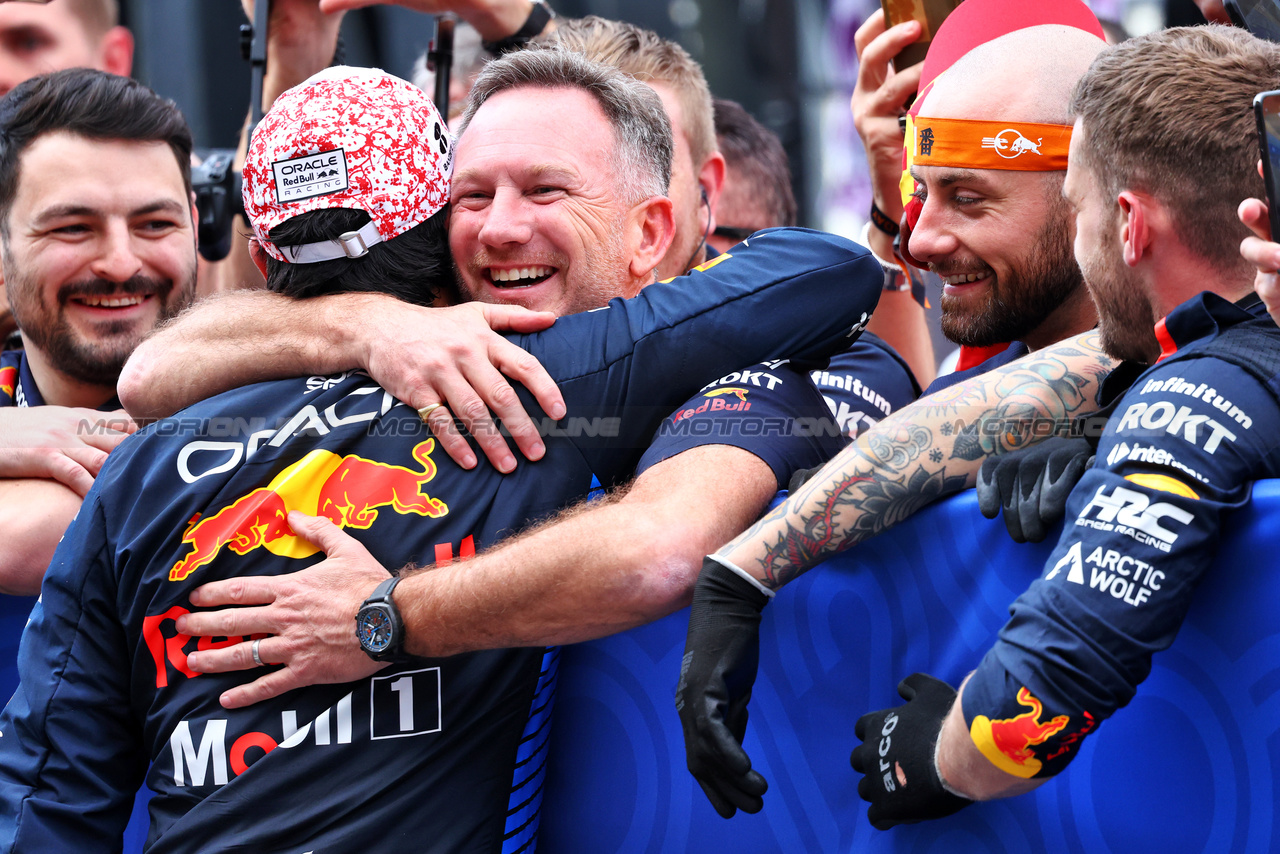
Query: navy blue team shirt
point(1180, 449)
point(864, 383)
point(445, 750)
point(18, 388)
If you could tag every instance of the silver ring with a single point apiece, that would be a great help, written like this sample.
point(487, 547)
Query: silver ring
point(257, 659)
point(428, 409)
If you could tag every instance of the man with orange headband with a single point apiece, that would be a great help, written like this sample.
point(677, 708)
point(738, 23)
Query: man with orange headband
point(1011, 295)
point(1002, 236)
point(989, 151)
point(1184, 442)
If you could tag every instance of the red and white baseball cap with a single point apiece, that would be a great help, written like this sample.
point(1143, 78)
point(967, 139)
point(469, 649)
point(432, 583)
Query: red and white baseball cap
point(355, 138)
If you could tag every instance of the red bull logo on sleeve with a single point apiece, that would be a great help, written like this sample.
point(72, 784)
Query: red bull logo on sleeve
point(347, 490)
point(8, 380)
point(719, 400)
point(740, 393)
point(1007, 743)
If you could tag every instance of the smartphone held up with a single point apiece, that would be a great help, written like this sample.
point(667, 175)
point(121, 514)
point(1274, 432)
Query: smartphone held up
point(1260, 17)
point(1266, 109)
point(930, 14)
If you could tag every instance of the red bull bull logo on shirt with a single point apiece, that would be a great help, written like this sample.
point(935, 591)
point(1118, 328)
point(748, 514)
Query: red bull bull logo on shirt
point(1007, 743)
point(347, 490)
point(740, 393)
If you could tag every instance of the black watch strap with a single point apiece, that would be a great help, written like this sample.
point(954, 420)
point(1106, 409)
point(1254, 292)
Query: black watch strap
point(381, 596)
point(539, 15)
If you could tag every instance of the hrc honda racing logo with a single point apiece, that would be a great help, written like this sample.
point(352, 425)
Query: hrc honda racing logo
point(1134, 514)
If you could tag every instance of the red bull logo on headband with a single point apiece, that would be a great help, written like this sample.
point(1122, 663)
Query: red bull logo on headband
point(1012, 142)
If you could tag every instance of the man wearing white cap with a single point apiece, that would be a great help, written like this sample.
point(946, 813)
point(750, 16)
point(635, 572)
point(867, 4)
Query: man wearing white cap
point(539, 187)
point(346, 189)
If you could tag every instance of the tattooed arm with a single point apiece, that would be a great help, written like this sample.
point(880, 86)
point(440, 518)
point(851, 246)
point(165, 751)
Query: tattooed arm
point(924, 452)
point(927, 450)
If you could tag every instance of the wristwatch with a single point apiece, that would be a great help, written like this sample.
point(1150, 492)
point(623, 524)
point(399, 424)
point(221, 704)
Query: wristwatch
point(379, 628)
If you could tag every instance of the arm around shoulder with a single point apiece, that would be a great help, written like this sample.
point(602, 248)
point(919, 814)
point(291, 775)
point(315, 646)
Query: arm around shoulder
point(238, 338)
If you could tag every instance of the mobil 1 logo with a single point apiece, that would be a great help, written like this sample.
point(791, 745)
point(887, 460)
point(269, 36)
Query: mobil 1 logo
point(404, 704)
point(319, 174)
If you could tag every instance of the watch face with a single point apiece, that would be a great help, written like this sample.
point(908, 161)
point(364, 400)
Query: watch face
point(374, 628)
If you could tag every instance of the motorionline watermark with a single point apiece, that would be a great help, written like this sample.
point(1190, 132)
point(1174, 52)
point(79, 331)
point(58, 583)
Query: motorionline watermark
point(1011, 429)
point(1026, 427)
point(235, 427)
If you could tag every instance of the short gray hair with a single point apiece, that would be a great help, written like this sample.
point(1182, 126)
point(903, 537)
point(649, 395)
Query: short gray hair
point(641, 130)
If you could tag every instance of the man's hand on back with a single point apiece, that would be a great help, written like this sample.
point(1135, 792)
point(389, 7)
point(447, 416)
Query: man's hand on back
point(307, 618)
point(423, 356)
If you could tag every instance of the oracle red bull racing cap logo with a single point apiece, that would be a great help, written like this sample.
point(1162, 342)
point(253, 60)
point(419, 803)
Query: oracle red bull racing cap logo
point(8, 380)
point(346, 490)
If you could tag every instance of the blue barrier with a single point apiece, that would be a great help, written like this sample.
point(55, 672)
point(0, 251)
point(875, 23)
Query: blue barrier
point(1191, 765)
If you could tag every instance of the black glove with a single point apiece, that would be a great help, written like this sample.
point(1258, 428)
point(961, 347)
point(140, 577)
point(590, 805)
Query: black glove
point(901, 781)
point(800, 477)
point(721, 655)
point(1032, 485)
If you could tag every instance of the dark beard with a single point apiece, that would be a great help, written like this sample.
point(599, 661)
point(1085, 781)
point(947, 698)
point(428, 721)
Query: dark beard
point(1047, 278)
point(99, 363)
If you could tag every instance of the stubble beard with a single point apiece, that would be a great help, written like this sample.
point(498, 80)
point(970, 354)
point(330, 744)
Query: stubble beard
point(599, 276)
point(1042, 280)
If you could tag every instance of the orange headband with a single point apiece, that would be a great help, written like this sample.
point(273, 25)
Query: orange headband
point(968, 144)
